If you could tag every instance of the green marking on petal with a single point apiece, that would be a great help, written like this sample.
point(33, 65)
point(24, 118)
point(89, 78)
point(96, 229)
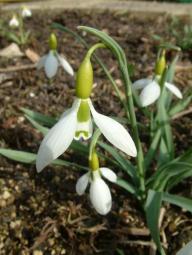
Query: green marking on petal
point(81, 133)
point(83, 114)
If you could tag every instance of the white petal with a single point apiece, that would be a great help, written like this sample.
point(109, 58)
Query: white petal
point(108, 174)
point(26, 13)
point(82, 183)
point(140, 84)
point(150, 94)
point(114, 132)
point(174, 90)
point(51, 65)
point(14, 22)
point(100, 196)
point(57, 139)
point(82, 128)
point(65, 64)
point(41, 62)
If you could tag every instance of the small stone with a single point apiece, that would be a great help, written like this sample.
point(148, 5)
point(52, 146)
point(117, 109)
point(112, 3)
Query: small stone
point(11, 51)
point(6, 195)
point(2, 203)
point(15, 224)
point(31, 94)
point(20, 119)
point(51, 242)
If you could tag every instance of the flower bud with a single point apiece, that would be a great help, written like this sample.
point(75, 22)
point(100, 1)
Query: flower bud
point(94, 162)
point(160, 64)
point(52, 41)
point(84, 79)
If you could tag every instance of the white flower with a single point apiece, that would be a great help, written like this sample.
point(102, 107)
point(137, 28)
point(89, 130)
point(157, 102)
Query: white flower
point(14, 22)
point(26, 12)
point(60, 136)
point(100, 194)
point(51, 62)
point(151, 90)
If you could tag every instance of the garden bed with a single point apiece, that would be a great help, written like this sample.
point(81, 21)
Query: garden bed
point(42, 212)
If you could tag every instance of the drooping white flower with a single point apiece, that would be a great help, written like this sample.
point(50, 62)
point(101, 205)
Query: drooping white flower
point(14, 22)
point(51, 62)
point(26, 12)
point(70, 127)
point(100, 194)
point(151, 90)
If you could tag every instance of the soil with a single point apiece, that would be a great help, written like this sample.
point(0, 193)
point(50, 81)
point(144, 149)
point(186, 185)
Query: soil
point(41, 213)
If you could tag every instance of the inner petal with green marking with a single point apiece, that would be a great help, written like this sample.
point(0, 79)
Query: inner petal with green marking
point(84, 123)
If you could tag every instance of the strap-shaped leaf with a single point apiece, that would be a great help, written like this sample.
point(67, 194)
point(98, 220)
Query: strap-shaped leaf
point(40, 118)
point(152, 208)
point(164, 124)
point(126, 185)
point(186, 157)
point(164, 174)
point(152, 149)
point(180, 106)
point(30, 158)
point(182, 202)
point(125, 164)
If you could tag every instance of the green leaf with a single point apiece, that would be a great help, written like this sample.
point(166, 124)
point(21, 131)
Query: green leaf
point(186, 157)
point(30, 158)
point(42, 119)
point(152, 149)
point(65, 29)
point(164, 123)
point(163, 152)
point(182, 202)
point(180, 106)
point(127, 186)
point(108, 41)
point(125, 164)
point(152, 208)
point(39, 127)
point(164, 175)
point(120, 252)
point(186, 250)
point(179, 178)
point(13, 37)
point(171, 70)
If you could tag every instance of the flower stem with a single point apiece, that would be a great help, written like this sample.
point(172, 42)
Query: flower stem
point(94, 47)
point(93, 143)
point(130, 105)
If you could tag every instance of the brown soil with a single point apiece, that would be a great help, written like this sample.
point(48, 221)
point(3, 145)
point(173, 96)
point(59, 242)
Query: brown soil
point(41, 213)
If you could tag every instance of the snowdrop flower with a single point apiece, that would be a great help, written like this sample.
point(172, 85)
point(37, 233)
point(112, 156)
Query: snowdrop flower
point(53, 60)
point(76, 123)
point(99, 192)
point(26, 12)
point(14, 22)
point(151, 90)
